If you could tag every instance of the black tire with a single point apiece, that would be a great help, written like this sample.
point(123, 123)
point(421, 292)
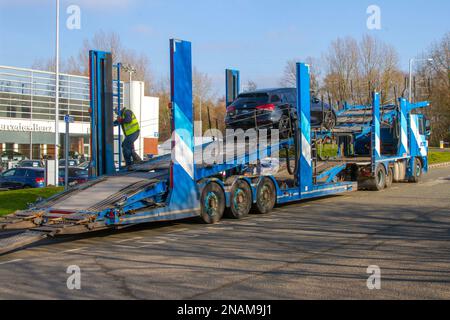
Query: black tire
point(212, 203)
point(330, 120)
point(378, 182)
point(417, 171)
point(240, 200)
point(284, 127)
point(389, 178)
point(265, 197)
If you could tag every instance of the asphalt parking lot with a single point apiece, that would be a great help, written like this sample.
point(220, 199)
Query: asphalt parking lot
point(318, 249)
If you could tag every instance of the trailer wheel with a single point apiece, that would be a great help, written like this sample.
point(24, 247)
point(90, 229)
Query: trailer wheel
point(378, 182)
point(265, 197)
point(212, 203)
point(240, 200)
point(417, 171)
point(389, 178)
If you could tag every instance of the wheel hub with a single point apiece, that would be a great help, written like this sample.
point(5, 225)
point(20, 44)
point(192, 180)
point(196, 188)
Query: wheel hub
point(265, 194)
point(211, 204)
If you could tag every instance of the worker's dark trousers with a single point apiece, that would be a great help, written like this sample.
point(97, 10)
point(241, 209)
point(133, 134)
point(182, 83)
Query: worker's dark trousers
point(128, 149)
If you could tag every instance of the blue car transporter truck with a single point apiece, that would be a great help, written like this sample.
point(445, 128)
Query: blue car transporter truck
point(175, 187)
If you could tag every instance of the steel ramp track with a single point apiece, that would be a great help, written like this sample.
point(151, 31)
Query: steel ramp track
point(13, 222)
point(85, 199)
point(21, 240)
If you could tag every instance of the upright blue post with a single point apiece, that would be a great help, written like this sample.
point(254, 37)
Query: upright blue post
point(182, 171)
point(101, 105)
point(232, 85)
point(376, 130)
point(404, 144)
point(305, 172)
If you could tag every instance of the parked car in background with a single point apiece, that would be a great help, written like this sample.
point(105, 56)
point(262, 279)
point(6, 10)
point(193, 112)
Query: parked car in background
point(275, 109)
point(11, 156)
point(76, 176)
point(84, 165)
point(21, 178)
point(72, 163)
point(30, 164)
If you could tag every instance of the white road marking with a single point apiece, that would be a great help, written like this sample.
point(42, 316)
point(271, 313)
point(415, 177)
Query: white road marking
point(125, 247)
point(220, 228)
point(152, 242)
point(12, 261)
point(74, 250)
point(131, 239)
point(248, 224)
point(179, 230)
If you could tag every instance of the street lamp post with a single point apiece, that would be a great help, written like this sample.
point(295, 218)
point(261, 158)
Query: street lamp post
point(57, 95)
point(131, 70)
point(411, 62)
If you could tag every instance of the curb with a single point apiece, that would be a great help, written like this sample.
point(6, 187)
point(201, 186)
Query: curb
point(439, 165)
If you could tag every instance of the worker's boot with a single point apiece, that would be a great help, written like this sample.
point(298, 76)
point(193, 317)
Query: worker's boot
point(136, 158)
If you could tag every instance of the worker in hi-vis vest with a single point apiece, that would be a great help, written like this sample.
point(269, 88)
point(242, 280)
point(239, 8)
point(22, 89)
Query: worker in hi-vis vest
point(130, 127)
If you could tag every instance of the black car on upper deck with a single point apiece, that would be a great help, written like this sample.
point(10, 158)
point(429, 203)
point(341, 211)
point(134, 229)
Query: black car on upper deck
point(275, 109)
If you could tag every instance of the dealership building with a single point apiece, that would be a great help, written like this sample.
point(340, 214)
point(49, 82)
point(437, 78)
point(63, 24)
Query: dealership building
point(27, 114)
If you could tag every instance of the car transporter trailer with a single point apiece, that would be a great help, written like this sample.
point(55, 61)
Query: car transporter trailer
point(175, 187)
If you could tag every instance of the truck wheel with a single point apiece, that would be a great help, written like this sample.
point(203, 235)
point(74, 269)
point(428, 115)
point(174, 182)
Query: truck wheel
point(329, 121)
point(389, 178)
point(212, 203)
point(265, 197)
point(417, 171)
point(284, 127)
point(378, 182)
point(240, 200)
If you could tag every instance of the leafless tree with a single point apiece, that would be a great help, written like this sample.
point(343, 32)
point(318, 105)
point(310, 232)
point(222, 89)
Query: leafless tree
point(437, 77)
point(342, 66)
point(250, 86)
point(356, 69)
point(78, 64)
point(289, 78)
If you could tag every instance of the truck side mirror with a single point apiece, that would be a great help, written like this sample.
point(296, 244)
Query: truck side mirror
point(427, 128)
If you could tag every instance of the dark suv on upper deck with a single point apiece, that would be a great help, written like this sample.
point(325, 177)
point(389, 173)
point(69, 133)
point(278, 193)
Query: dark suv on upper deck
point(275, 108)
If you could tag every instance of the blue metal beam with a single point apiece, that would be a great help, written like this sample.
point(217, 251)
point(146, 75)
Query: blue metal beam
point(376, 130)
point(102, 114)
point(305, 173)
point(183, 189)
point(232, 85)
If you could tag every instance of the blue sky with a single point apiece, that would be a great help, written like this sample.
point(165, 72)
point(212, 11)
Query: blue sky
point(255, 36)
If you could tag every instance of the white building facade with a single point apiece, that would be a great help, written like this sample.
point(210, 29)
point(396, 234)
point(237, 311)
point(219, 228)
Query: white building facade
point(27, 114)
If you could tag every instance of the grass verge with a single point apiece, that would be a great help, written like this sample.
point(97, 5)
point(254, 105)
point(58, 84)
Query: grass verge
point(436, 157)
point(10, 201)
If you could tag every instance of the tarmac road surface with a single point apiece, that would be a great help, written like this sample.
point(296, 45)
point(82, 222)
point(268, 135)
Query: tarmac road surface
point(318, 249)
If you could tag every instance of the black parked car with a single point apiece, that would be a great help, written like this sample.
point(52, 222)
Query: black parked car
point(72, 163)
point(76, 176)
point(275, 108)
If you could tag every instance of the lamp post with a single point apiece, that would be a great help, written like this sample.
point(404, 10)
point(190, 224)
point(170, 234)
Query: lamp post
point(131, 70)
point(411, 62)
point(57, 95)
